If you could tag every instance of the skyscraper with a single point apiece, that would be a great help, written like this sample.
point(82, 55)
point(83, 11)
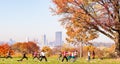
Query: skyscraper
point(58, 38)
point(44, 39)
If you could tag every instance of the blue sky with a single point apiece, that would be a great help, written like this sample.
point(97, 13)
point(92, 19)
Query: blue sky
point(20, 19)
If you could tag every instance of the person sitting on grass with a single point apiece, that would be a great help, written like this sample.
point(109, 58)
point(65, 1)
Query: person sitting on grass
point(24, 56)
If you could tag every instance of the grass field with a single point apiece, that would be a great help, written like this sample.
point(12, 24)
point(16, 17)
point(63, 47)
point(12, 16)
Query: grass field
point(52, 60)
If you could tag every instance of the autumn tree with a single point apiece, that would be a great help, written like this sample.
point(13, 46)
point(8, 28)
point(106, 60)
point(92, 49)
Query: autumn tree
point(4, 49)
point(29, 47)
point(90, 17)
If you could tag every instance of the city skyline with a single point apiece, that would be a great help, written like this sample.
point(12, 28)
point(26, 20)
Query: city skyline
point(42, 41)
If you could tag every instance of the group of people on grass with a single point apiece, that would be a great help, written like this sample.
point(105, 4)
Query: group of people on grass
point(69, 56)
point(35, 54)
point(40, 56)
point(72, 55)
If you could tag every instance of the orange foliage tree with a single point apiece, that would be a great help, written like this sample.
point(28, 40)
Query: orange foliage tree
point(4, 49)
point(28, 47)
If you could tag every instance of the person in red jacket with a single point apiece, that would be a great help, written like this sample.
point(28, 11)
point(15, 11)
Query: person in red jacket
point(35, 55)
point(65, 56)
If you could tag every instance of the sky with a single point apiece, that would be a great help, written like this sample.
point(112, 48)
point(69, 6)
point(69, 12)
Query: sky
point(22, 19)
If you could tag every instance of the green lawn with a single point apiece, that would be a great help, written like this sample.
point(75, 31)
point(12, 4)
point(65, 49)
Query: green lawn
point(52, 60)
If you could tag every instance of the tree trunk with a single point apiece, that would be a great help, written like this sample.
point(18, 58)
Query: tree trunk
point(117, 44)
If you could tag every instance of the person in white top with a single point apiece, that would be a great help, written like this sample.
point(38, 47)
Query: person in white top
point(43, 56)
point(88, 55)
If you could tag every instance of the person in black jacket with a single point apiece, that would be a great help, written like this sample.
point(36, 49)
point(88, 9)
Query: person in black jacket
point(24, 56)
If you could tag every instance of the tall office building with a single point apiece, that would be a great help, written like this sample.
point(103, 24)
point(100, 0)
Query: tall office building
point(44, 40)
point(58, 38)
